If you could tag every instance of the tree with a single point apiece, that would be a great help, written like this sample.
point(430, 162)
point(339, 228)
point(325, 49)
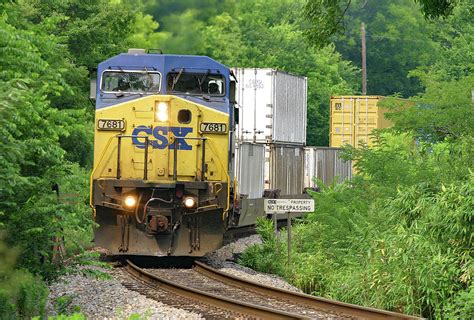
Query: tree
point(399, 40)
point(445, 109)
point(46, 49)
point(327, 18)
point(30, 151)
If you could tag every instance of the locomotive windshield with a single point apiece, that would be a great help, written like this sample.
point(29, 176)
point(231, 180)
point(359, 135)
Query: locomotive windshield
point(196, 83)
point(130, 81)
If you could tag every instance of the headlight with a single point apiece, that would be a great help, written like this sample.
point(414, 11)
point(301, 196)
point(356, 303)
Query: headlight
point(161, 111)
point(189, 202)
point(130, 201)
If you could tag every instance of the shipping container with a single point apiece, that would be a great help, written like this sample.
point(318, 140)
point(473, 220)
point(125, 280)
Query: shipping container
point(326, 165)
point(250, 169)
point(284, 169)
point(272, 106)
point(260, 167)
point(352, 119)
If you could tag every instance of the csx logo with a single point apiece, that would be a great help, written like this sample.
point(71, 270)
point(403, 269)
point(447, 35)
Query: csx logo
point(161, 136)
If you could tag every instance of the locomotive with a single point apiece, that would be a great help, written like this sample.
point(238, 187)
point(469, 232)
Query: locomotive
point(162, 181)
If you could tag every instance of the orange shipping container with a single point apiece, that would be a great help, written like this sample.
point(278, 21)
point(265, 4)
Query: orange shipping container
point(353, 118)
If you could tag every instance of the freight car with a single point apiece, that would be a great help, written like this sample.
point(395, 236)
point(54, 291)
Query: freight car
point(162, 182)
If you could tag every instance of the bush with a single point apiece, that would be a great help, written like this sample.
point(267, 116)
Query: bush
point(462, 305)
point(268, 257)
point(22, 295)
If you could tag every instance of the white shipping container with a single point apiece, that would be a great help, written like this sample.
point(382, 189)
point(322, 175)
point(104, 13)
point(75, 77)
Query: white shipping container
point(272, 106)
point(325, 164)
point(259, 167)
point(250, 169)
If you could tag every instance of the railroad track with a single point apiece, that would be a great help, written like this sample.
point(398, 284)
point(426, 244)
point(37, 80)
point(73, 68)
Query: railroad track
point(217, 295)
point(330, 306)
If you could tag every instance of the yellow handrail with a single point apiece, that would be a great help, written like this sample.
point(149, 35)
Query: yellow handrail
point(91, 178)
point(210, 145)
point(227, 176)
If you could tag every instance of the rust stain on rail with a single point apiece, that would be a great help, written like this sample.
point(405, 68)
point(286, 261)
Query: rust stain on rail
point(243, 308)
point(323, 304)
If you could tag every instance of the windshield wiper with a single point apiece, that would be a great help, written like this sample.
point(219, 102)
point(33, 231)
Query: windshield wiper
point(201, 81)
point(175, 79)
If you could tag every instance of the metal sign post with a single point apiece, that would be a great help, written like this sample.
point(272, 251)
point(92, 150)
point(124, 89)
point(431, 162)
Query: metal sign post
point(288, 230)
point(276, 206)
point(275, 224)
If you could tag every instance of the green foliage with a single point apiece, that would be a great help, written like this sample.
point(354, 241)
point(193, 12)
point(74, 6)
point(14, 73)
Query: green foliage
point(435, 9)
point(445, 110)
point(270, 256)
point(31, 154)
point(46, 127)
point(22, 295)
point(462, 306)
point(137, 316)
point(399, 39)
point(63, 303)
point(90, 30)
point(46, 49)
point(80, 262)
point(327, 18)
point(74, 316)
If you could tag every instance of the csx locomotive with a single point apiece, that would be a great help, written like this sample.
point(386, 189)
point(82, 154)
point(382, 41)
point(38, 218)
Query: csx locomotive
point(162, 182)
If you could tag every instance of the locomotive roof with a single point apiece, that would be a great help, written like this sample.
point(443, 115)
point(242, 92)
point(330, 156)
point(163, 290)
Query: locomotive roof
point(163, 62)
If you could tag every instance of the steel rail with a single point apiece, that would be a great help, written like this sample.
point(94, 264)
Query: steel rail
point(319, 303)
point(208, 298)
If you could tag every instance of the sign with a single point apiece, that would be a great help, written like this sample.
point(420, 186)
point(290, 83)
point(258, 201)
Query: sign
point(288, 205)
point(211, 127)
point(110, 125)
point(161, 137)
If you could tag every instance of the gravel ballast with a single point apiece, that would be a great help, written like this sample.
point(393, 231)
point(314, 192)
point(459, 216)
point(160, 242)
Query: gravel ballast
point(220, 259)
point(109, 299)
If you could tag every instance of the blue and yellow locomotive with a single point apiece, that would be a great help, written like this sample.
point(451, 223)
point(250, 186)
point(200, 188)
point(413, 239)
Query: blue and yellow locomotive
point(161, 183)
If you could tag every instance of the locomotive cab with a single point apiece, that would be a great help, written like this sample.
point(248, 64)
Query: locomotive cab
point(161, 182)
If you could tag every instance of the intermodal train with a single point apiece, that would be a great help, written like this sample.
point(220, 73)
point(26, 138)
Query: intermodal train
point(162, 182)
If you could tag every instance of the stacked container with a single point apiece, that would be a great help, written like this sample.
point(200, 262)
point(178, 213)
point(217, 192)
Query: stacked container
point(326, 165)
point(353, 118)
point(272, 125)
point(250, 169)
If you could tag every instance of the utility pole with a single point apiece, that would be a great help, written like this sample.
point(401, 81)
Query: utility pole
point(364, 62)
